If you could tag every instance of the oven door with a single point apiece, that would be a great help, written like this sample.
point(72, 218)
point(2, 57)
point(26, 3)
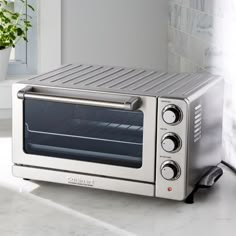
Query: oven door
point(102, 134)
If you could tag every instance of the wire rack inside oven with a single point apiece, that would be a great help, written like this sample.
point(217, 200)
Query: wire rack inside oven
point(97, 130)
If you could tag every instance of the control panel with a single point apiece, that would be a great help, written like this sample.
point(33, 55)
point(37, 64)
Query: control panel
point(171, 148)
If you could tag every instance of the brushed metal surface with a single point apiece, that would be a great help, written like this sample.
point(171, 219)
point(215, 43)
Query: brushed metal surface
point(123, 80)
point(84, 180)
point(205, 131)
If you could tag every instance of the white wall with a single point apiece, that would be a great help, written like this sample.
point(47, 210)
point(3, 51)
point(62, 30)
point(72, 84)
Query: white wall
point(130, 33)
point(49, 35)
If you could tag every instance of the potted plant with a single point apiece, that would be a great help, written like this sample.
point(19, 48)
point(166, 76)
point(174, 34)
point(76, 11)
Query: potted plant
point(13, 28)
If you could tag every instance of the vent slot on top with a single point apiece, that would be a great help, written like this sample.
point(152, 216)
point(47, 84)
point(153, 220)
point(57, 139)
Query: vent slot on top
point(197, 123)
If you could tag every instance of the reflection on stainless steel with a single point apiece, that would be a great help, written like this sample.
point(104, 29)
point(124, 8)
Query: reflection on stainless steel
point(126, 103)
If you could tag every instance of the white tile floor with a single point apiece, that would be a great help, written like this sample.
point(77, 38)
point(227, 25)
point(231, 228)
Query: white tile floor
point(36, 208)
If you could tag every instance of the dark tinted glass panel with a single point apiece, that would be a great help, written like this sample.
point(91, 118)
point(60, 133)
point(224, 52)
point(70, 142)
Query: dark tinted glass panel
point(85, 133)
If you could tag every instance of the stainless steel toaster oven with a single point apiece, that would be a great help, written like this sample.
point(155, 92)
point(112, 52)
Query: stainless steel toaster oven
point(136, 131)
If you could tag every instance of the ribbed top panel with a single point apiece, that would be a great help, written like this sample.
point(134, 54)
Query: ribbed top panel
point(123, 80)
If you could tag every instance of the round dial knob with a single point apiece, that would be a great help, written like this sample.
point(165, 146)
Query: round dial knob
point(172, 114)
point(170, 170)
point(171, 142)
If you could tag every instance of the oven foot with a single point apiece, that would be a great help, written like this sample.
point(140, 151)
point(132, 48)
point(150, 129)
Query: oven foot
point(26, 179)
point(207, 181)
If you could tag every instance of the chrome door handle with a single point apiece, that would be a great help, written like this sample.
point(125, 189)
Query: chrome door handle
point(83, 98)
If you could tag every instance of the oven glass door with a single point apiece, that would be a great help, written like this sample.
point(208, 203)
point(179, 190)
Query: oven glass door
point(84, 133)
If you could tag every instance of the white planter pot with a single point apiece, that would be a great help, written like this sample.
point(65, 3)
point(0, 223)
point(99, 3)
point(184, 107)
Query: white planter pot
point(4, 60)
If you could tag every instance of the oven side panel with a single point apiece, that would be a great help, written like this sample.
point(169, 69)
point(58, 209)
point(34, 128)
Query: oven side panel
point(205, 131)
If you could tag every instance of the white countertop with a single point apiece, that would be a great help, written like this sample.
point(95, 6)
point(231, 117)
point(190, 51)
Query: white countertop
point(39, 209)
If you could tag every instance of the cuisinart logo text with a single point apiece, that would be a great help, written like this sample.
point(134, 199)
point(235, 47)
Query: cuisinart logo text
point(80, 181)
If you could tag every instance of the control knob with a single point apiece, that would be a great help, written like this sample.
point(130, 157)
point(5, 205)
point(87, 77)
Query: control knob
point(172, 114)
point(171, 142)
point(170, 170)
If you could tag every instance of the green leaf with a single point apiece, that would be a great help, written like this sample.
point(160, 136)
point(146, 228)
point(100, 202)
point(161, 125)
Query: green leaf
point(13, 25)
point(31, 7)
point(19, 31)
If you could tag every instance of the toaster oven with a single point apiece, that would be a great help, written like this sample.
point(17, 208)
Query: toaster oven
point(130, 130)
